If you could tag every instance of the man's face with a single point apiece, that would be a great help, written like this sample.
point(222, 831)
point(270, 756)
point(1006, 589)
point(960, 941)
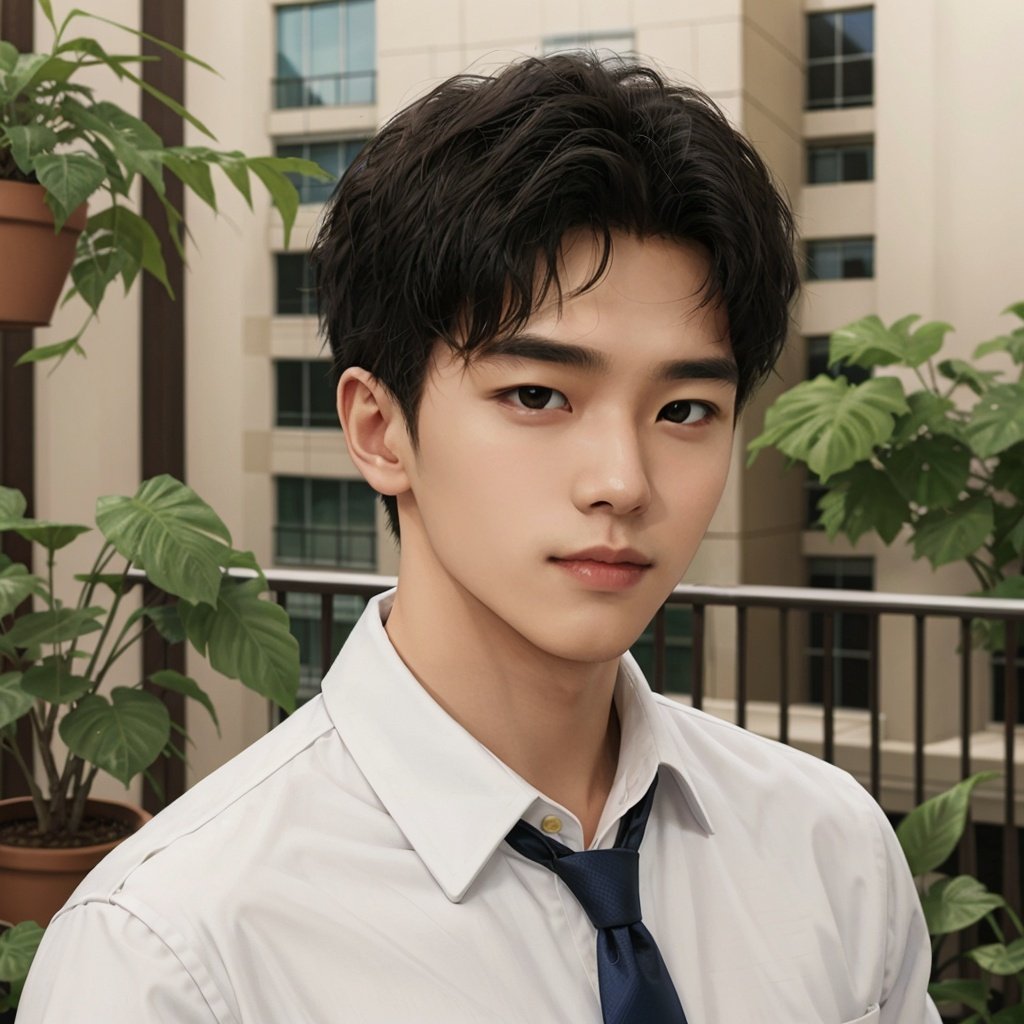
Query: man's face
point(578, 434)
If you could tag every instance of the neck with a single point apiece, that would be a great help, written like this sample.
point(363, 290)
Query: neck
point(551, 721)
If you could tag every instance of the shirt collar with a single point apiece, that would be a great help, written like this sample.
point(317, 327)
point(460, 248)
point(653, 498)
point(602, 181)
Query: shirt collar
point(452, 798)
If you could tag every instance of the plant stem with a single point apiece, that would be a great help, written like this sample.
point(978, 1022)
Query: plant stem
point(106, 627)
point(38, 799)
point(78, 801)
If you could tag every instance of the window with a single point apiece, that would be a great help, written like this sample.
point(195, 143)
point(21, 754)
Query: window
point(817, 364)
point(849, 636)
point(326, 54)
point(295, 291)
point(335, 157)
point(840, 59)
point(325, 522)
point(607, 45)
point(998, 669)
point(833, 162)
point(840, 258)
point(304, 611)
point(305, 397)
point(678, 648)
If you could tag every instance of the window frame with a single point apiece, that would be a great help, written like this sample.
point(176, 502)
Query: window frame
point(812, 245)
point(839, 98)
point(842, 148)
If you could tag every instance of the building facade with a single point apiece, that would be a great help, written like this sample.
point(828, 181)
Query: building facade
point(892, 127)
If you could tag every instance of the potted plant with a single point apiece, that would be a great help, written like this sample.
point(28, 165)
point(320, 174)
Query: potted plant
point(18, 945)
point(60, 148)
point(61, 657)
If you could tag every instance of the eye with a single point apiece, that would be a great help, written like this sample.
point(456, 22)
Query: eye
point(687, 413)
point(536, 398)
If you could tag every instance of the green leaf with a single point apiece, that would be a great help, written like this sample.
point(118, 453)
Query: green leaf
point(198, 621)
point(12, 504)
point(54, 681)
point(1010, 1015)
point(26, 67)
point(27, 141)
point(237, 171)
point(58, 350)
point(8, 56)
point(122, 223)
point(868, 342)
point(171, 680)
point(948, 535)
point(927, 412)
point(999, 959)
point(166, 619)
point(16, 584)
point(54, 626)
point(194, 174)
point(1012, 344)
point(250, 640)
point(830, 424)
point(1008, 473)
point(931, 471)
point(997, 421)
point(961, 372)
point(930, 832)
point(91, 276)
point(973, 994)
point(122, 736)
point(955, 903)
point(864, 500)
point(170, 532)
point(18, 946)
point(282, 191)
point(245, 560)
point(69, 180)
point(52, 536)
point(14, 701)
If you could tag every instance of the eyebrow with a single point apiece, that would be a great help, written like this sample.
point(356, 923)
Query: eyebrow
point(530, 346)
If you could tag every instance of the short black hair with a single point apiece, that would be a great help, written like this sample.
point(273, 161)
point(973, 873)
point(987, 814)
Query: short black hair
point(436, 230)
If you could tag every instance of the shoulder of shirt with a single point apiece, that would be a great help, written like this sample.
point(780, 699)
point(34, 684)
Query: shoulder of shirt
point(705, 735)
point(250, 778)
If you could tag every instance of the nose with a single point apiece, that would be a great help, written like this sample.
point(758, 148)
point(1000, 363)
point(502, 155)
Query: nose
point(611, 473)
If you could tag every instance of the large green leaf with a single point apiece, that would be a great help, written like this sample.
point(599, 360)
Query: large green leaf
point(282, 192)
point(133, 233)
point(171, 680)
point(14, 701)
point(122, 736)
point(92, 276)
point(931, 471)
point(1000, 959)
point(868, 342)
point(12, 504)
point(948, 535)
point(18, 946)
point(997, 421)
point(958, 990)
point(54, 626)
point(930, 832)
point(169, 531)
point(193, 174)
point(27, 142)
point(830, 425)
point(69, 180)
point(52, 536)
point(16, 583)
point(54, 681)
point(165, 617)
point(954, 903)
point(864, 500)
point(8, 56)
point(927, 412)
point(249, 639)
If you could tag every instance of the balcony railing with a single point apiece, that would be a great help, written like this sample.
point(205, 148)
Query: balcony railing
point(305, 544)
point(757, 631)
point(341, 89)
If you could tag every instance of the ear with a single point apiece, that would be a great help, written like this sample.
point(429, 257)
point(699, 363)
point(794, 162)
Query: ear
point(375, 431)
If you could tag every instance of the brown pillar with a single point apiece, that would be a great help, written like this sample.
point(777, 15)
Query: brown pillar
point(162, 410)
point(17, 414)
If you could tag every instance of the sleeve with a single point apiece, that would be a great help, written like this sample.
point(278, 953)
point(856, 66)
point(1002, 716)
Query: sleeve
point(908, 954)
point(99, 964)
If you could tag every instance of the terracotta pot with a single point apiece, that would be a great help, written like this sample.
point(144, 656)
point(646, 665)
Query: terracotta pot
point(34, 261)
point(36, 882)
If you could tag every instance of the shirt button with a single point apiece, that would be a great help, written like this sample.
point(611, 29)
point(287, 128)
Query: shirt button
point(551, 824)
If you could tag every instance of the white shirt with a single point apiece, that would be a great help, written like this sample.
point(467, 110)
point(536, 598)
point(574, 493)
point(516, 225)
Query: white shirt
point(349, 868)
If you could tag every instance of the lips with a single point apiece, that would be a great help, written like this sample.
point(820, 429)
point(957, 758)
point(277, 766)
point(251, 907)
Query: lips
point(608, 556)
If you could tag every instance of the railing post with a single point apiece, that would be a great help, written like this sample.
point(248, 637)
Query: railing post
point(697, 658)
point(741, 666)
point(918, 708)
point(828, 688)
point(784, 675)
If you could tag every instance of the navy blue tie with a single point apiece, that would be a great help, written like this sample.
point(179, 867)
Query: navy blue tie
point(632, 977)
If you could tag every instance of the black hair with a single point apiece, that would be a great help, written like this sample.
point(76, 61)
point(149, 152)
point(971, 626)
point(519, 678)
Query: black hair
point(437, 229)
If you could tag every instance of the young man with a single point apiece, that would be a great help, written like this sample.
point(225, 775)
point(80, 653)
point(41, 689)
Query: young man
point(548, 294)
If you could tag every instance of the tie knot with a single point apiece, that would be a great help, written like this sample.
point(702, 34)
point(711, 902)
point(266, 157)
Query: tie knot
point(606, 883)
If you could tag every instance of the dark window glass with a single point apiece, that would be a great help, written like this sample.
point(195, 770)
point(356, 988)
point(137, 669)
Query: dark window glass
point(998, 668)
point(295, 292)
point(850, 650)
point(290, 393)
point(840, 48)
point(836, 259)
point(326, 522)
point(305, 397)
point(326, 54)
point(839, 162)
point(334, 156)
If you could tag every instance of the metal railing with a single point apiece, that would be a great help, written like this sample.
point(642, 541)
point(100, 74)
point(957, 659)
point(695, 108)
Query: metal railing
point(786, 605)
